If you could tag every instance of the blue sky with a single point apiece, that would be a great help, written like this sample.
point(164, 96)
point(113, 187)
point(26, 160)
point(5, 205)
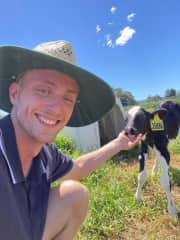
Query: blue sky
point(131, 44)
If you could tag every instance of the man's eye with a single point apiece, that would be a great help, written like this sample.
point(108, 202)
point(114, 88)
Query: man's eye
point(68, 99)
point(43, 91)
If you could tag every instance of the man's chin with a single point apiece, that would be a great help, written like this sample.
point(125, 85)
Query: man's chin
point(46, 139)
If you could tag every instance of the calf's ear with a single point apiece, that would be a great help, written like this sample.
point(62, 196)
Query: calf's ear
point(161, 112)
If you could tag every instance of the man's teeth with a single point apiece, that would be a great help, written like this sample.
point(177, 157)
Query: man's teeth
point(47, 121)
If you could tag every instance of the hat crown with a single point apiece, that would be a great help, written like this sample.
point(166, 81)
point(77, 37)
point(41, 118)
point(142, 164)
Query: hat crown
point(60, 49)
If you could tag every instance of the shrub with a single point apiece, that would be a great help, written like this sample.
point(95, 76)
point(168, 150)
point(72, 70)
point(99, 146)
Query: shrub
point(65, 144)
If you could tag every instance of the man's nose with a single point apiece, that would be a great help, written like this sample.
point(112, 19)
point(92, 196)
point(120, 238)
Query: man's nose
point(56, 104)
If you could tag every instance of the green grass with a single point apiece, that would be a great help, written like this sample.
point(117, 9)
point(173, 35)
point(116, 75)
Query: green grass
point(113, 209)
point(114, 213)
point(174, 146)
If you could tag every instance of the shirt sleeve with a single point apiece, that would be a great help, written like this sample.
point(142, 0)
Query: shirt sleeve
point(57, 164)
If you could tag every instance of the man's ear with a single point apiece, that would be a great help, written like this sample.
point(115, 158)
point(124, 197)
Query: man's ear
point(161, 112)
point(13, 92)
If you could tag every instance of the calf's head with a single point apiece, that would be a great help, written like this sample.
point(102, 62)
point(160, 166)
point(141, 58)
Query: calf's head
point(141, 121)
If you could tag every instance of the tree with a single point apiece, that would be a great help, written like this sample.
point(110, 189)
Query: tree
point(126, 97)
point(153, 98)
point(178, 93)
point(171, 92)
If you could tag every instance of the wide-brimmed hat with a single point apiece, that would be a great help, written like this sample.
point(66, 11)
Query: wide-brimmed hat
point(96, 96)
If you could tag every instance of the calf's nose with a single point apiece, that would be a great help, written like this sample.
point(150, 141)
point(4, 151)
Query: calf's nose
point(130, 131)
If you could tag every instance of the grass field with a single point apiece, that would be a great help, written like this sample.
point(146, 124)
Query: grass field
point(114, 213)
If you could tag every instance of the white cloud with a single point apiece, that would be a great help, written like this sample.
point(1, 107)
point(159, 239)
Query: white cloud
point(113, 9)
point(110, 23)
point(98, 29)
point(130, 17)
point(109, 41)
point(125, 35)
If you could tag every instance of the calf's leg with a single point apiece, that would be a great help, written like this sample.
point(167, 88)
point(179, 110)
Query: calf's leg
point(156, 164)
point(142, 171)
point(164, 157)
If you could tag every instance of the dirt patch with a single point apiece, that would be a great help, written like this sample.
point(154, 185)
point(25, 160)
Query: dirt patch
point(162, 228)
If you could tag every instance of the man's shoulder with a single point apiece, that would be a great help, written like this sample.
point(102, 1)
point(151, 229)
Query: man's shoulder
point(57, 164)
point(51, 153)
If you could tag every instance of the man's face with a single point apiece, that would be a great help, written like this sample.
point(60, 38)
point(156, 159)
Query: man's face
point(43, 101)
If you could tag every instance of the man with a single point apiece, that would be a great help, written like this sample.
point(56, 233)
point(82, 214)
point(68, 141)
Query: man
point(47, 93)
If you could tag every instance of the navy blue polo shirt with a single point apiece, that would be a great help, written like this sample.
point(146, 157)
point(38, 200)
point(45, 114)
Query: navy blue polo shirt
point(24, 200)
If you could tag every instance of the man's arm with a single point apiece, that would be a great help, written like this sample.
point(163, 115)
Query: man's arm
point(89, 162)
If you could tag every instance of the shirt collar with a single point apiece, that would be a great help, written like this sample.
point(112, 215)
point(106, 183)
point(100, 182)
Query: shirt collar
point(9, 149)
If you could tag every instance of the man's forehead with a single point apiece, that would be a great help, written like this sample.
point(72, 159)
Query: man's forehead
point(45, 73)
point(49, 76)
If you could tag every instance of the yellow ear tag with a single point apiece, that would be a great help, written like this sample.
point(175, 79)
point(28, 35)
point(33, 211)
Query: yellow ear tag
point(156, 123)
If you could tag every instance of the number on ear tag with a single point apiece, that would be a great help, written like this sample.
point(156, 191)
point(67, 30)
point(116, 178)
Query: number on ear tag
point(156, 123)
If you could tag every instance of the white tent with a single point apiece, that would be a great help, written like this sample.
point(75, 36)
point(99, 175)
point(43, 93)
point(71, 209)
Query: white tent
point(94, 135)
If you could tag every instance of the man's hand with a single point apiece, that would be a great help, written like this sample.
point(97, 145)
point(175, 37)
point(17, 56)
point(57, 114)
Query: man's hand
point(128, 142)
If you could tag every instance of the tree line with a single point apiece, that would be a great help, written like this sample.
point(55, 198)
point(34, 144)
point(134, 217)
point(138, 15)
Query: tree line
point(127, 97)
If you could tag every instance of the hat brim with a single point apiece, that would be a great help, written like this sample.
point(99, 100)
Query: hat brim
point(95, 99)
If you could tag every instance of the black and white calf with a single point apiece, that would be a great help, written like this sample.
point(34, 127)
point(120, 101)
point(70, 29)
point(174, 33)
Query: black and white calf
point(157, 128)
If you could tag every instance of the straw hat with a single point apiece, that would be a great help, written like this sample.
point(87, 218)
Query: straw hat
point(95, 98)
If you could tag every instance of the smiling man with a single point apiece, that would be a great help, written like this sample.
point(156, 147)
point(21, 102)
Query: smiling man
point(43, 101)
point(44, 91)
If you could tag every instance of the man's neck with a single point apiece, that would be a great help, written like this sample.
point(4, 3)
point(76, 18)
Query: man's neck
point(28, 148)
